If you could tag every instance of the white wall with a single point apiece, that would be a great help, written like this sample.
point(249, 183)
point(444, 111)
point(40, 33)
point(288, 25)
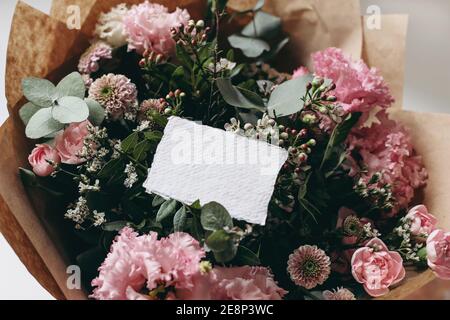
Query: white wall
point(427, 88)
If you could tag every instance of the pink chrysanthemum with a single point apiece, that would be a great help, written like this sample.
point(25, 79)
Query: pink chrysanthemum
point(387, 148)
point(309, 266)
point(148, 28)
point(89, 61)
point(338, 294)
point(138, 265)
point(115, 93)
point(358, 88)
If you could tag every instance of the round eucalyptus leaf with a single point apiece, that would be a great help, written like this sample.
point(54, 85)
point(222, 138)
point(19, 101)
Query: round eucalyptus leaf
point(96, 112)
point(214, 217)
point(42, 124)
point(70, 110)
point(72, 85)
point(40, 92)
point(251, 47)
point(27, 111)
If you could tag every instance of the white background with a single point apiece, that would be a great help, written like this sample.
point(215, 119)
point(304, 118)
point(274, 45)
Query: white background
point(427, 88)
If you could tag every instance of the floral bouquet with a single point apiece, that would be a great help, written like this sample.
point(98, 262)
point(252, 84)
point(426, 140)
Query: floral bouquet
point(336, 215)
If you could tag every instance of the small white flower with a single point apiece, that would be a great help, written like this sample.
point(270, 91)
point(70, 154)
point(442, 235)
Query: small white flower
point(132, 176)
point(223, 64)
point(99, 218)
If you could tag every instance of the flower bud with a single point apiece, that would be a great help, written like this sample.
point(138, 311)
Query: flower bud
point(284, 135)
point(200, 24)
point(312, 143)
point(168, 111)
point(248, 126)
point(317, 82)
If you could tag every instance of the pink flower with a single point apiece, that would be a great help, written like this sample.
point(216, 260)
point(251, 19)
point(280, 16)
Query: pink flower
point(240, 283)
point(148, 27)
point(70, 142)
point(89, 61)
point(309, 266)
point(422, 222)
point(116, 93)
point(438, 253)
point(338, 294)
point(39, 158)
point(377, 268)
point(358, 88)
point(138, 264)
point(300, 72)
point(387, 148)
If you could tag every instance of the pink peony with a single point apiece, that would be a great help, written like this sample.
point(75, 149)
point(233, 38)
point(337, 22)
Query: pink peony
point(70, 142)
point(139, 264)
point(39, 158)
point(148, 27)
point(338, 294)
point(422, 222)
point(300, 72)
point(387, 148)
point(240, 283)
point(309, 266)
point(358, 88)
point(377, 268)
point(438, 253)
point(90, 60)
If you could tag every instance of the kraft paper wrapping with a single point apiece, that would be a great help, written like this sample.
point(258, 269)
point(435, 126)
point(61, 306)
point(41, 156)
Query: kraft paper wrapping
point(43, 46)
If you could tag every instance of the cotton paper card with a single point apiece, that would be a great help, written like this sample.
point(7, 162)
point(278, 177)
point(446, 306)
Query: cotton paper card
point(196, 162)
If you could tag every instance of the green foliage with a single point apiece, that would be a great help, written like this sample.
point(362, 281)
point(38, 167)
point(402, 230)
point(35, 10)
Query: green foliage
point(239, 97)
point(215, 217)
point(250, 46)
point(167, 209)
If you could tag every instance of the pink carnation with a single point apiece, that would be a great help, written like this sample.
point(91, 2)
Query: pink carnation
point(338, 294)
point(300, 72)
point(148, 28)
point(240, 283)
point(70, 142)
point(40, 157)
point(137, 264)
point(377, 268)
point(387, 148)
point(90, 60)
point(422, 222)
point(438, 253)
point(358, 88)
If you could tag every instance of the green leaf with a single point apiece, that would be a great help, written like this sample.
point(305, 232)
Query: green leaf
point(264, 26)
point(130, 142)
point(219, 241)
point(70, 110)
point(286, 98)
point(214, 217)
point(97, 113)
point(153, 136)
point(157, 201)
point(184, 57)
point(179, 220)
point(28, 178)
point(310, 208)
point(112, 167)
point(27, 111)
point(178, 73)
point(42, 124)
point(246, 257)
point(141, 149)
point(40, 92)
point(239, 97)
point(114, 226)
point(250, 47)
point(166, 209)
point(339, 135)
point(304, 187)
point(72, 85)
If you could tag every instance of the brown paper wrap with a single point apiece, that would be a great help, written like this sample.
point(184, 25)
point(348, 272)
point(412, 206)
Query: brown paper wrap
point(42, 46)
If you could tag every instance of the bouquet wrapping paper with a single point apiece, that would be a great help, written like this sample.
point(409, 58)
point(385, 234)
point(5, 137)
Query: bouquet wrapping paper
point(33, 225)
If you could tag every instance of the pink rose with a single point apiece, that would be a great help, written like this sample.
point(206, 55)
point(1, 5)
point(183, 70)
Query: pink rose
point(39, 158)
point(377, 268)
point(438, 253)
point(70, 142)
point(422, 222)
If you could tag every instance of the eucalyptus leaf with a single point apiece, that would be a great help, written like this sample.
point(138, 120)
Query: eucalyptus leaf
point(275, 50)
point(42, 124)
point(70, 110)
point(97, 113)
point(264, 26)
point(72, 85)
point(40, 92)
point(219, 241)
point(166, 209)
point(27, 111)
point(157, 201)
point(251, 47)
point(110, 168)
point(214, 217)
point(235, 96)
point(179, 220)
point(286, 98)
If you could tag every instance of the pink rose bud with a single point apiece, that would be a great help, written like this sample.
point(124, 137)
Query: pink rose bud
point(70, 142)
point(422, 222)
point(438, 253)
point(377, 268)
point(40, 157)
